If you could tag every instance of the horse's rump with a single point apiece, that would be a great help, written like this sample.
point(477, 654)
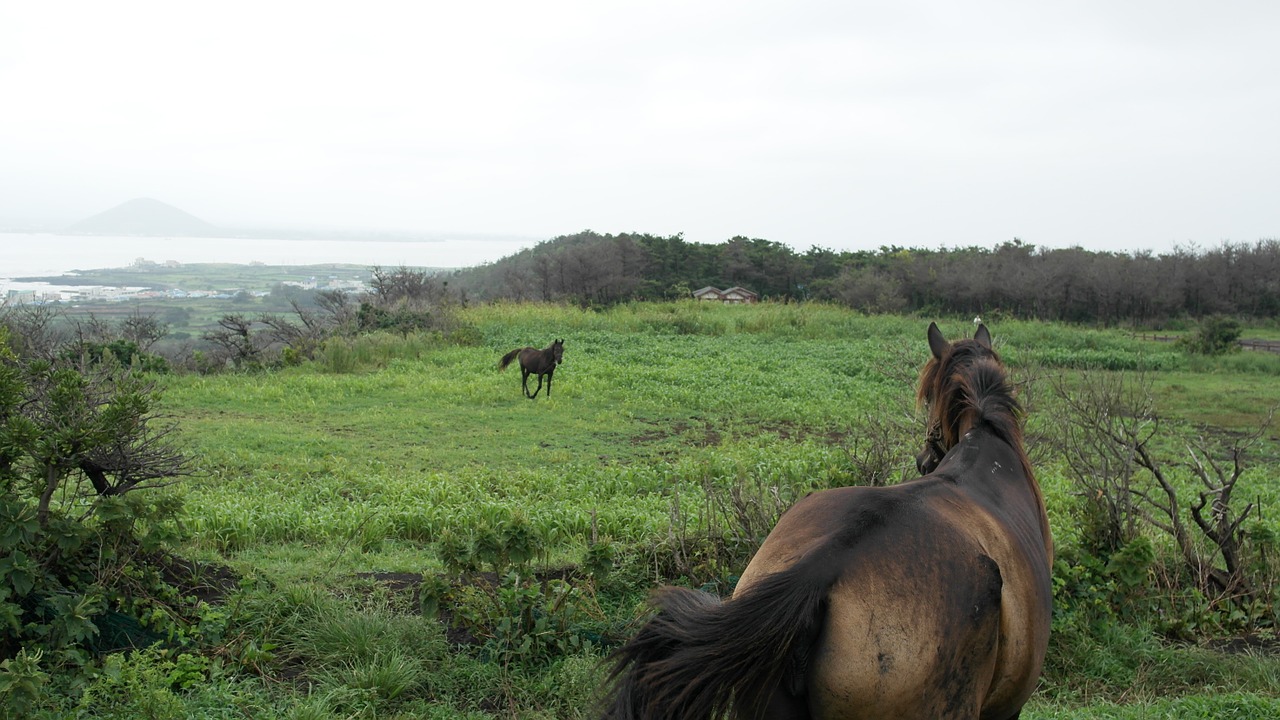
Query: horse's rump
point(913, 602)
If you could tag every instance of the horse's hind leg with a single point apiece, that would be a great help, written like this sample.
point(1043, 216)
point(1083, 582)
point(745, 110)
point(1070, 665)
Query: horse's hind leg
point(537, 389)
point(524, 382)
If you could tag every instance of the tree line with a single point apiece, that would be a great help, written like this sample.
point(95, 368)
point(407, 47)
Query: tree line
point(1014, 277)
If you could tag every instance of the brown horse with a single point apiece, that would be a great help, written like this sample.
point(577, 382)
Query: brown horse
point(928, 599)
point(533, 360)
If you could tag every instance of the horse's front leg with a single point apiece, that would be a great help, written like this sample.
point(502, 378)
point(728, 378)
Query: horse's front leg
point(538, 389)
point(549, 376)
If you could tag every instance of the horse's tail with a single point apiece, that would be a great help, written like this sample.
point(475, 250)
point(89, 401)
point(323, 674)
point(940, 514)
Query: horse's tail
point(506, 359)
point(700, 657)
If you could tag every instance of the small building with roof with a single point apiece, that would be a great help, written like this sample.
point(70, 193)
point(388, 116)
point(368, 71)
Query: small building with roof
point(734, 295)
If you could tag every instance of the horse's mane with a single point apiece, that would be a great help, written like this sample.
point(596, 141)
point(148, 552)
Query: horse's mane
point(966, 387)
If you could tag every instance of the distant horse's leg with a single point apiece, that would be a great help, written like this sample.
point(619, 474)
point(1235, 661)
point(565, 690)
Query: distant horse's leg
point(550, 374)
point(524, 381)
point(538, 389)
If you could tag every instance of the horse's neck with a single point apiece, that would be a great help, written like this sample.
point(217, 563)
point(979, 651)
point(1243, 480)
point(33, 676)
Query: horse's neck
point(1000, 466)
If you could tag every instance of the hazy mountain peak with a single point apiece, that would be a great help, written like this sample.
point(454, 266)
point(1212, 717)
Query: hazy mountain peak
point(144, 216)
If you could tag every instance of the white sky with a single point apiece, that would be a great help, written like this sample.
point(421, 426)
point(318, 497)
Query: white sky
point(846, 124)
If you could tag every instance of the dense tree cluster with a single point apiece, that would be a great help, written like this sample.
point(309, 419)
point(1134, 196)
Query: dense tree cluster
point(1014, 277)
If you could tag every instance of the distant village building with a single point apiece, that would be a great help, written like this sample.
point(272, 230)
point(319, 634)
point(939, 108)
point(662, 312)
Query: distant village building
point(31, 297)
point(107, 292)
point(733, 295)
point(347, 285)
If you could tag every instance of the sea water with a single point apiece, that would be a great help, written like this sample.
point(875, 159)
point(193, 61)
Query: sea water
point(40, 254)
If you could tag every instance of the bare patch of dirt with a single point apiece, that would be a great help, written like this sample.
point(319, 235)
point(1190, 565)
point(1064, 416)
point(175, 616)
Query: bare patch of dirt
point(206, 582)
point(1255, 644)
point(397, 582)
point(710, 436)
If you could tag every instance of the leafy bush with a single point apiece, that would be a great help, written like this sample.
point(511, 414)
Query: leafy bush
point(124, 352)
point(1089, 590)
point(1217, 335)
point(403, 319)
point(140, 684)
point(523, 620)
point(75, 540)
point(22, 682)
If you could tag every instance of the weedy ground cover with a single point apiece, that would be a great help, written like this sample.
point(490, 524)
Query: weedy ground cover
point(340, 491)
point(403, 451)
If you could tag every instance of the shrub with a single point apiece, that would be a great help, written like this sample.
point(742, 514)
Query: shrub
point(124, 352)
point(1217, 335)
point(139, 684)
point(74, 446)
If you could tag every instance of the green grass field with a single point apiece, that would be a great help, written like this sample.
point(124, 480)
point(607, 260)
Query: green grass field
point(313, 480)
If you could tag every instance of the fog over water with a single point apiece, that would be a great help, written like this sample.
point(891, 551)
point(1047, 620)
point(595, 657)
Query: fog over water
point(26, 255)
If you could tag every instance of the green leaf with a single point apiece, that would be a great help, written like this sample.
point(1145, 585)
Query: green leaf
point(20, 571)
point(18, 524)
point(10, 614)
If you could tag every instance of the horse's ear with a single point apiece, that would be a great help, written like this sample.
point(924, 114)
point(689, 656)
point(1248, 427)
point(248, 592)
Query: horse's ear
point(983, 336)
point(937, 344)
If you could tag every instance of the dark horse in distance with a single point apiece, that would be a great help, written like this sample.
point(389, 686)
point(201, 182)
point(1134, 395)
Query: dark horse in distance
point(533, 360)
point(928, 599)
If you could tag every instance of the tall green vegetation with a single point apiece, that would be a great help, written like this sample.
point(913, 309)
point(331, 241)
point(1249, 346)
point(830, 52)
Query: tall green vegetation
point(413, 538)
point(1012, 279)
point(80, 438)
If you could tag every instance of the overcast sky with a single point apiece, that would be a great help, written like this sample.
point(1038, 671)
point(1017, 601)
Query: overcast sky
point(1110, 125)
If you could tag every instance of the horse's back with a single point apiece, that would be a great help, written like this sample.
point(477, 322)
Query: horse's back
point(914, 609)
point(533, 359)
